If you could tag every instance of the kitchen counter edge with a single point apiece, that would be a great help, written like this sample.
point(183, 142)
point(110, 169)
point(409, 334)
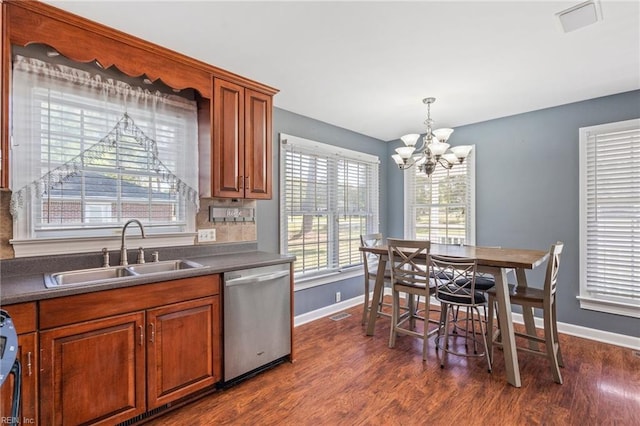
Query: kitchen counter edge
point(29, 288)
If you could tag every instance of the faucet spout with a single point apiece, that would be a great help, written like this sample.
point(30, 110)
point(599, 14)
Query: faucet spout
point(123, 248)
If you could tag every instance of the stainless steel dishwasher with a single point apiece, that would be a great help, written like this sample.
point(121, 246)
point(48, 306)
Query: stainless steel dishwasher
point(257, 319)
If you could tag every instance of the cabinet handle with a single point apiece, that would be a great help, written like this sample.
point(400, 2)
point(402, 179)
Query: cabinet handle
point(141, 335)
point(29, 363)
point(153, 332)
point(241, 182)
point(41, 361)
point(247, 182)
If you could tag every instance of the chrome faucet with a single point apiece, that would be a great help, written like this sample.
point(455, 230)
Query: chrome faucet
point(123, 248)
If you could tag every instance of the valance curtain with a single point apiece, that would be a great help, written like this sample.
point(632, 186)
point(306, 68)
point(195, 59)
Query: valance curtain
point(60, 112)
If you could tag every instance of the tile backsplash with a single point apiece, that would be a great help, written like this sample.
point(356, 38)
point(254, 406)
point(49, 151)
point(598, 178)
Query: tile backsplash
point(226, 231)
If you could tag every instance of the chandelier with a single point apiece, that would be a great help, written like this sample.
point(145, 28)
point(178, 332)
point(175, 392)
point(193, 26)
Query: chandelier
point(433, 150)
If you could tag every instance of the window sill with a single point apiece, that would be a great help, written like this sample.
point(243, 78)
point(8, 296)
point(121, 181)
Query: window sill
point(52, 246)
point(609, 306)
point(305, 283)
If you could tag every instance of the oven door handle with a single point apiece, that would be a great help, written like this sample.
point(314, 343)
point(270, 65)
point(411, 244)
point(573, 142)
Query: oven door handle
point(258, 278)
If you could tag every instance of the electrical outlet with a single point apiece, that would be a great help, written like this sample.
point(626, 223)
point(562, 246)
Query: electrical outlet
point(338, 296)
point(206, 235)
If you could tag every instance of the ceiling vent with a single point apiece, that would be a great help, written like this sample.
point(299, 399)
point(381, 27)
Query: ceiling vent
point(580, 15)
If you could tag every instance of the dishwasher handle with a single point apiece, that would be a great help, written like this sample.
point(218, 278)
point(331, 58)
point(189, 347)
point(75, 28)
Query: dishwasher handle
point(252, 279)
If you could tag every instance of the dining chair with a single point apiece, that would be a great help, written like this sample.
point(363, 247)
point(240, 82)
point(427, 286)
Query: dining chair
point(409, 275)
point(541, 298)
point(455, 280)
point(370, 263)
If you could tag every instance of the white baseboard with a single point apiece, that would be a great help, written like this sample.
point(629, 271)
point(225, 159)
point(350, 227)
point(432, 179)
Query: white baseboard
point(589, 333)
point(571, 329)
point(327, 310)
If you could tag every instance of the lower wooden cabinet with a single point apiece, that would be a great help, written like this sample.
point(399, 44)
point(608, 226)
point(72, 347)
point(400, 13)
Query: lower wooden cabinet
point(93, 372)
point(109, 370)
point(180, 350)
point(27, 354)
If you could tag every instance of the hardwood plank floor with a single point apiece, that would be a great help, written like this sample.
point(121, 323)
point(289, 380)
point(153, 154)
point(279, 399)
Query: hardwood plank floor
point(342, 377)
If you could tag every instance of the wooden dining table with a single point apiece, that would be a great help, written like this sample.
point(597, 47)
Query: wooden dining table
point(491, 260)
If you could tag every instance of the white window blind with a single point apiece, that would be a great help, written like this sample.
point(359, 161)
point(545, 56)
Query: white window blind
point(329, 197)
point(98, 152)
point(440, 208)
point(610, 217)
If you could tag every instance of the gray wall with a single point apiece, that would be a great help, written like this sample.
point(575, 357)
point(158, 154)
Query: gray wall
point(268, 215)
point(527, 190)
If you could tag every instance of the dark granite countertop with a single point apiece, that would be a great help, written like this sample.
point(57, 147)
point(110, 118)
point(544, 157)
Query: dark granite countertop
point(25, 284)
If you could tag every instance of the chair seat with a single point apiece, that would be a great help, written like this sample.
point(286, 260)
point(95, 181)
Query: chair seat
point(520, 295)
point(373, 272)
point(414, 285)
point(463, 299)
point(483, 283)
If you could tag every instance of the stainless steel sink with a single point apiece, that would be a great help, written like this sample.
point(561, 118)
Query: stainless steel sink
point(90, 276)
point(85, 276)
point(165, 266)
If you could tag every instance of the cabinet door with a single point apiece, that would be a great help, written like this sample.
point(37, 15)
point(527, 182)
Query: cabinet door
point(93, 372)
point(182, 343)
point(258, 145)
point(227, 169)
point(27, 350)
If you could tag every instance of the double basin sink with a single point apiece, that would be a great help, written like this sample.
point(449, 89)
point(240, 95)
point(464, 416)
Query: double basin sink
point(106, 274)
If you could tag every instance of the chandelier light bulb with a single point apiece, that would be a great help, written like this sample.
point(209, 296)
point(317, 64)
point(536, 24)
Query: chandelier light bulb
point(461, 151)
point(442, 134)
point(405, 152)
point(399, 161)
point(410, 139)
point(438, 148)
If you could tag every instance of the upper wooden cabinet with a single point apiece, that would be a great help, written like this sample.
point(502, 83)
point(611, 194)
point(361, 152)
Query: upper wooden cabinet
point(242, 146)
point(82, 40)
point(258, 145)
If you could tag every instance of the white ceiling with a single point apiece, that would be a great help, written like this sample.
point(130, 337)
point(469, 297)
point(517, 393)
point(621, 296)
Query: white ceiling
point(366, 66)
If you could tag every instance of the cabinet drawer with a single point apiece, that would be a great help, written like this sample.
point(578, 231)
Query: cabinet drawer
point(23, 316)
point(84, 307)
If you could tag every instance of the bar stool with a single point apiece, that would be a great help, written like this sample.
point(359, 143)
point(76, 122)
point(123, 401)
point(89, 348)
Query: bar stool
point(540, 298)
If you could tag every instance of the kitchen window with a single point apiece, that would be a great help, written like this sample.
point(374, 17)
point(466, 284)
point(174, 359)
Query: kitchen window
point(440, 207)
point(329, 197)
point(90, 152)
point(610, 218)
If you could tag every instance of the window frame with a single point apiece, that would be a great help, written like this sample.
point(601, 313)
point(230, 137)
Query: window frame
point(410, 204)
point(331, 274)
point(589, 301)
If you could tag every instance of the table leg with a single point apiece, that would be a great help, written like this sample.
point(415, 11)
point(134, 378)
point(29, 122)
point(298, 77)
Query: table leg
point(506, 329)
point(377, 290)
point(527, 312)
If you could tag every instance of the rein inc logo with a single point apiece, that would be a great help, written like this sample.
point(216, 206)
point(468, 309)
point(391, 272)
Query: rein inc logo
point(17, 420)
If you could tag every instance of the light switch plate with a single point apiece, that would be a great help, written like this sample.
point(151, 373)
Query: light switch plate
point(206, 235)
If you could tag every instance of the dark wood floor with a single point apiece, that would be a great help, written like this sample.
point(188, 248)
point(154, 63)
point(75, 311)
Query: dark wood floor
point(342, 377)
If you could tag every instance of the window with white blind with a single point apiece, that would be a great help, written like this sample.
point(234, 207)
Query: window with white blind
point(89, 153)
point(329, 197)
point(610, 218)
point(440, 207)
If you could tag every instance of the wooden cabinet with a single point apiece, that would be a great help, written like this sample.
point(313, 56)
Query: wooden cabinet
point(180, 343)
point(110, 369)
point(258, 145)
point(93, 372)
point(24, 319)
point(242, 142)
